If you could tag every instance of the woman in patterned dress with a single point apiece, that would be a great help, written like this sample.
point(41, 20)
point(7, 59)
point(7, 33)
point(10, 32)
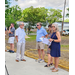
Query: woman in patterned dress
point(50, 59)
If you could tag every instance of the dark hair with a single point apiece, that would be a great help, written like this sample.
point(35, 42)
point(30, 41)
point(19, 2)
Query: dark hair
point(50, 25)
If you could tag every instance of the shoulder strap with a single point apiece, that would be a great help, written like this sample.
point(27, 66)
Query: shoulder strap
point(53, 35)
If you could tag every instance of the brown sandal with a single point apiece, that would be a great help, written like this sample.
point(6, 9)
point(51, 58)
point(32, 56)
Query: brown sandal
point(55, 70)
point(52, 68)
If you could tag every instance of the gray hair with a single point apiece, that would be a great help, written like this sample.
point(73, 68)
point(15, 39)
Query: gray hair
point(21, 23)
point(40, 23)
point(56, 26)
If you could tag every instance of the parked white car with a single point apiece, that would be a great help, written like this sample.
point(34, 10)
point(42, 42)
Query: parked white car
point(65, 32)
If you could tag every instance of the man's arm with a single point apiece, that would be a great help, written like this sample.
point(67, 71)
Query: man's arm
point(45, 33)
point(16, 38)
point(16, 35)
point(46, 36)
point(10, 31)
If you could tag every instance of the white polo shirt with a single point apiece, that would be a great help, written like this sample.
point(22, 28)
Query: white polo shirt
point(21, 35)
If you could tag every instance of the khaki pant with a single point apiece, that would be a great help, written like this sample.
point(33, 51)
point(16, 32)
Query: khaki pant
point(40, 45)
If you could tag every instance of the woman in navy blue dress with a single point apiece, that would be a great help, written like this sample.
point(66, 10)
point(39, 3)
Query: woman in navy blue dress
point(55, 46)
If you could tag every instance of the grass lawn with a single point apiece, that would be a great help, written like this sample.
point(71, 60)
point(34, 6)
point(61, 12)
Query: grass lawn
point(64, 37)
point(32, 38)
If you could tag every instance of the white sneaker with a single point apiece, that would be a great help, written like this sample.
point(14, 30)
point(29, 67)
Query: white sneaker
point(41, 61)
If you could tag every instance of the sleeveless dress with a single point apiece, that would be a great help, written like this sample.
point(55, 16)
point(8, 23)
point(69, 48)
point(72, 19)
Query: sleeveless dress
point(55, 46)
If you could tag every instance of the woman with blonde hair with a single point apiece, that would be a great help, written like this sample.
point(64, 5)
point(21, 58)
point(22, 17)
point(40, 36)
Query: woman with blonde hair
point(50, 59)
point(55, 46)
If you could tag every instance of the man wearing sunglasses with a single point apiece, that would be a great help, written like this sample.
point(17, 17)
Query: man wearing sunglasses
point(41, 32)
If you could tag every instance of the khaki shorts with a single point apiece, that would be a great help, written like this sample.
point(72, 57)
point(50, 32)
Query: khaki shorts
point(40, 45)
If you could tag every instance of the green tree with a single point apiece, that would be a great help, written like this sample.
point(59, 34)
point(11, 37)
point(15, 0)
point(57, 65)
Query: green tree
point(67, 13)
point(67, 20)
point(7, 3)
point(14, 14)
point(54, 15)
point(6, 7)
point(34, 15)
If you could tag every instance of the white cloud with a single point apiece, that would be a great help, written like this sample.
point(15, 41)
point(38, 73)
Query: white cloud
point(42, 3)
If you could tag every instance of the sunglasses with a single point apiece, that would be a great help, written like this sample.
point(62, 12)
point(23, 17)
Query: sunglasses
point(53, 26)
point(37, 25)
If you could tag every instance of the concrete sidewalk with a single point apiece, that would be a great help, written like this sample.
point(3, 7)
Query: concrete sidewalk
point(30, 67)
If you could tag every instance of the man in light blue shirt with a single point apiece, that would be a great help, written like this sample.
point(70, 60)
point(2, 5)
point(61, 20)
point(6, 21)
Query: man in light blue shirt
point(20, 37)
point(41, 32)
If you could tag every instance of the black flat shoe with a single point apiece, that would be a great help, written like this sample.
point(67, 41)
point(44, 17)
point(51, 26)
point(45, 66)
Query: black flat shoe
point(47, 65)
point(12, 51)
point(9, 51)
point(51, 63)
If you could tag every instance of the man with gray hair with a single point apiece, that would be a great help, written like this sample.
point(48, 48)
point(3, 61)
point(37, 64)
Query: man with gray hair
point(20, 38)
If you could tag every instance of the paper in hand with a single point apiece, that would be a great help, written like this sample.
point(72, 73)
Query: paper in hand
point(41, 39)
point(45, 41)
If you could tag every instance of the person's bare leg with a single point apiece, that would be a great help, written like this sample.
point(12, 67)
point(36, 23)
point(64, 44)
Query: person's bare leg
point(56, 61)
point(49, 57)
point(12, 47)
point(39, 52)
point(43, 54)
point(56, 64)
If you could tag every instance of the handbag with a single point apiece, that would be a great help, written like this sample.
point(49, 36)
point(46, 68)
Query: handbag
point(52, 38)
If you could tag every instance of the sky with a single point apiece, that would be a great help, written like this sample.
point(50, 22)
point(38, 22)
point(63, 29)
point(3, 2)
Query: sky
point(54, 4)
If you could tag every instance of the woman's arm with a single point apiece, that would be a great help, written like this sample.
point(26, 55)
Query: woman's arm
point(56, 40)
point(58, 36)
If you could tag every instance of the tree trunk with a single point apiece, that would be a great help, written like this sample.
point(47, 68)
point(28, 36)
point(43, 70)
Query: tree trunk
point(29, 28)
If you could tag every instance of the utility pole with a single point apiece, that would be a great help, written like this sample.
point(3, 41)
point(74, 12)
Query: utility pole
point(63, 17)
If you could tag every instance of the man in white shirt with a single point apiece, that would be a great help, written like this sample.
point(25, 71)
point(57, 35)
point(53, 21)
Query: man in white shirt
point(20, 37)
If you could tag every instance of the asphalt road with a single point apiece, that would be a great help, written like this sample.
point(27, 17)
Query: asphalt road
point(30, 67)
